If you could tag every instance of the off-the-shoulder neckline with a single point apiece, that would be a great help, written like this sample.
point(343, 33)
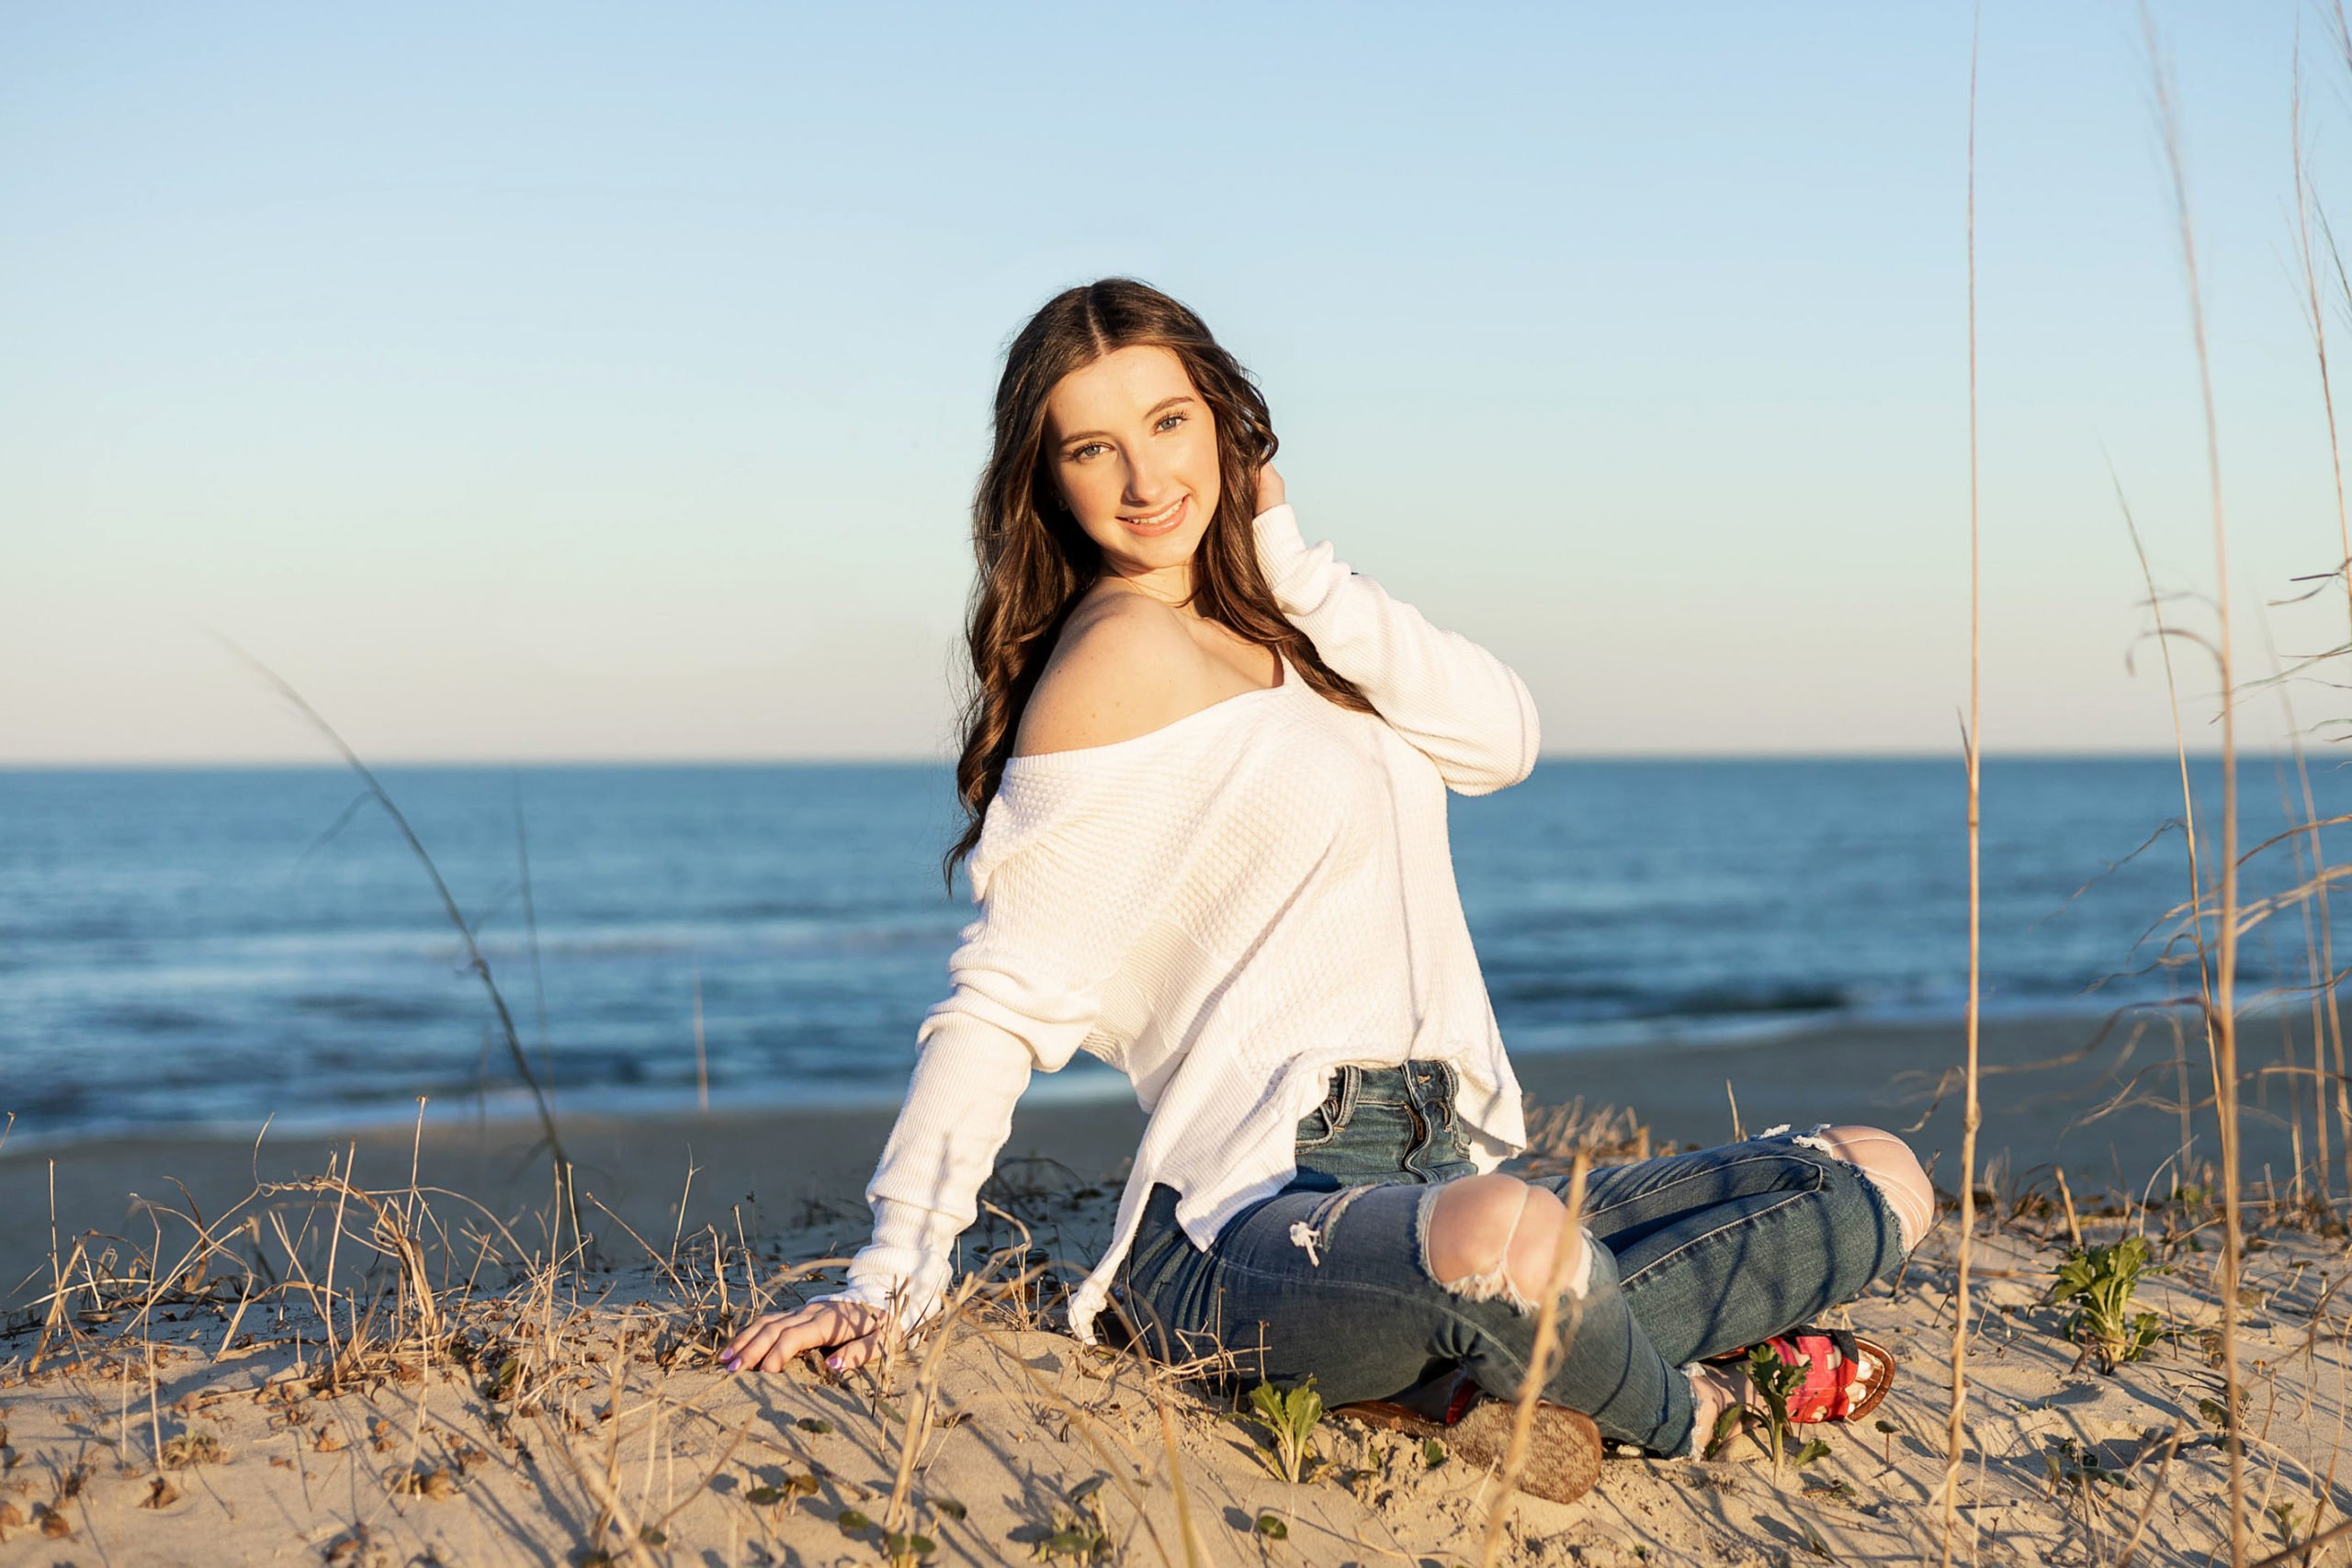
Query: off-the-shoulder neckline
point(1034, 760)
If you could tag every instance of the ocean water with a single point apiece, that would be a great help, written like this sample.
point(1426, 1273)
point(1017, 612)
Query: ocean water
point(210, 947)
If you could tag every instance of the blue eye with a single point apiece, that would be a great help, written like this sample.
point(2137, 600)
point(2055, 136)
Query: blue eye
point(1170, 420)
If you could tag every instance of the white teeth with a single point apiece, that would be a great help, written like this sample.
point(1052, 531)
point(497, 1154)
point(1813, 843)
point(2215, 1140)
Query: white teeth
point(1162, 515)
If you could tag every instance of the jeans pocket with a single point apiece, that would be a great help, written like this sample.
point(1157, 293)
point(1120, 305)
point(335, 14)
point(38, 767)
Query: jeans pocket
point(1318, 1126)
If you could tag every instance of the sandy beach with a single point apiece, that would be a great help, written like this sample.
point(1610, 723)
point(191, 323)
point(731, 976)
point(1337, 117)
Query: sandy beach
point(774, 1166)
point(530, 1407)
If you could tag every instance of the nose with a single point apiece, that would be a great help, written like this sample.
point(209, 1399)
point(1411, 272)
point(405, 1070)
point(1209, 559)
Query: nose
point(1147, 487)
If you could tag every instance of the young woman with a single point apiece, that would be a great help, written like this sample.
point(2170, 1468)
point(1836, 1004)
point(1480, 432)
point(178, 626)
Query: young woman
point(1206, 768)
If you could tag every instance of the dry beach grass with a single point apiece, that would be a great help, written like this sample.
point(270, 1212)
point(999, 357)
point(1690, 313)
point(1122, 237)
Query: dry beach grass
point(393, 1374)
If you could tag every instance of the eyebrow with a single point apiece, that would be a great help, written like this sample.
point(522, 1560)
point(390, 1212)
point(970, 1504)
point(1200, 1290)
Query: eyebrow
point(1149, 414)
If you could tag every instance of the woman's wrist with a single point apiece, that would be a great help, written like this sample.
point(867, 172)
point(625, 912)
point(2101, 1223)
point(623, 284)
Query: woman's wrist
point(1282, 549)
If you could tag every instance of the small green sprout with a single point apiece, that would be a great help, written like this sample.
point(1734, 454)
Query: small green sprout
point(1271, 1526)
point(816, 1424)
point(793, 1489)
point(2071, 1464)
point(1287, 1419)
point(1773, 1381)
point(1079, 1532)
point(2217, 1414)
point(2098, 1284)
point(1433, 1453)
point(850, 1521)
point(500, 1382)
point(1726, 1425)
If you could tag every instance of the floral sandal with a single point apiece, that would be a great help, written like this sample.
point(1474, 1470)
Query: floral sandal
point(1846, 1375)
point(1563, 1447)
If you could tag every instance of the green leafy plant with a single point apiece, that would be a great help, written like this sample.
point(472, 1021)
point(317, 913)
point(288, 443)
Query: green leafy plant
point(1287, 1419)
point(2096, 1283)
point(1773, 1381)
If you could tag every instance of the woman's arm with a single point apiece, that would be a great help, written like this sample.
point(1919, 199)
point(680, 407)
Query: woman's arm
point(1077, 861)
point(958, 1113)
point(1450, 697)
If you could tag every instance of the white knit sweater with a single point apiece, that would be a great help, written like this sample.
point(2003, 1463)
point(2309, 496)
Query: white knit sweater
point(1225, 910)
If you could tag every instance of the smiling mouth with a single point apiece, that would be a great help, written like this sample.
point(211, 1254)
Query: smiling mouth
point(1160, 522)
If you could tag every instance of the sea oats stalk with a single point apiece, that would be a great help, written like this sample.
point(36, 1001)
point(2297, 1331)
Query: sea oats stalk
point(2344, 569)
point(2325, 1004)
point(1549, 1342)
point(373, 789)
point(2222, 1010)
point(1955, 1436)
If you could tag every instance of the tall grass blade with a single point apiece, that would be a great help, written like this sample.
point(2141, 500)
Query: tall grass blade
point(1956, 1434)
point(2223, 1011)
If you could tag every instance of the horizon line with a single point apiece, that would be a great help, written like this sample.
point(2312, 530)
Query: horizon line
point(330, 765)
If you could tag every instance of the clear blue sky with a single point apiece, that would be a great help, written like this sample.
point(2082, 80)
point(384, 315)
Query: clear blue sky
point(593, 381)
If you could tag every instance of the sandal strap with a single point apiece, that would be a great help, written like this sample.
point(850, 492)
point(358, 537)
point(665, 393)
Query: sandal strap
point(1833, 1373)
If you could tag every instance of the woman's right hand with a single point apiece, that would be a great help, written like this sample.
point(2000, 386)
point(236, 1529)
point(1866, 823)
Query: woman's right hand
point(1269, 489)
point(769, 1344)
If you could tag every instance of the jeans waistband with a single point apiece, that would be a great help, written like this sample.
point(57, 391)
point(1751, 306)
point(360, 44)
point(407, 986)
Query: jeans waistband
point(1425, 1086)
point(1383, 1125)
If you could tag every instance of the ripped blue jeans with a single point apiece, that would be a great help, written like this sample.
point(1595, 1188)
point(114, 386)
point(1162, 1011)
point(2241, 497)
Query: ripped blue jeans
point(1692, 1254)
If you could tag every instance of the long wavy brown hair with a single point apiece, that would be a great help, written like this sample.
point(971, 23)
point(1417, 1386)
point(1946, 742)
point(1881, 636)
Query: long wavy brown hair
point(1037, 563)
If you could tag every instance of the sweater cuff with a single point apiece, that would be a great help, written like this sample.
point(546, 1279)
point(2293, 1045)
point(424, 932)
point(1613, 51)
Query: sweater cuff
point(906, 1270)
point(1282, 554)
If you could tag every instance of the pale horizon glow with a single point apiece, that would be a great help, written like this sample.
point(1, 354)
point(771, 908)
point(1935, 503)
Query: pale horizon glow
point(549, 385)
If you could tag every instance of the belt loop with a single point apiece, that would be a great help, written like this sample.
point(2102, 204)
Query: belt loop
point(1350, 1084)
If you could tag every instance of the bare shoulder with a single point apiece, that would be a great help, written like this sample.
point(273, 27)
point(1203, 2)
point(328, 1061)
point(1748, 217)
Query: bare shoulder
point(1124, 666)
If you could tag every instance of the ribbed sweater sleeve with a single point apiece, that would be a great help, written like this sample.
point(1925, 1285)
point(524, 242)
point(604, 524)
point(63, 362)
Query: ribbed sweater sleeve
point(958, 1113)
point(1462, 707)
point(1080, 854)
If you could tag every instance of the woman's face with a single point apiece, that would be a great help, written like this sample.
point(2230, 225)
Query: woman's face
point(1133, 453)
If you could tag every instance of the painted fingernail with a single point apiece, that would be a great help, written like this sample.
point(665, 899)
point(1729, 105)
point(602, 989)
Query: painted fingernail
point(728, 1362)
point(834, 1362)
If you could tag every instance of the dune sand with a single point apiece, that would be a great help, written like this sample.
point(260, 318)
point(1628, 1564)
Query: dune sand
point(301, 1399)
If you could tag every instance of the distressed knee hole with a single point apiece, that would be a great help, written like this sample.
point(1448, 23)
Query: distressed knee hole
point(1490, 1237)
point(1887, 1162)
